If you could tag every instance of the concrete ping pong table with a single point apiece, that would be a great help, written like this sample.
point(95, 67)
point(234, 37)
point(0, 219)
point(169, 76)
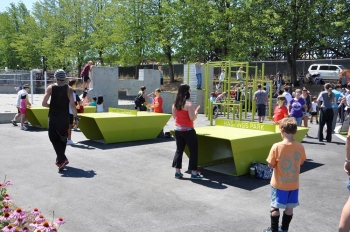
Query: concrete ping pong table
point(234, 145)
point(122, 125)
point(38, 115)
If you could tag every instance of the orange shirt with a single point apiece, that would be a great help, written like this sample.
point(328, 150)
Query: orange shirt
point(286, 158)
point(159, 101)
point(279, 113)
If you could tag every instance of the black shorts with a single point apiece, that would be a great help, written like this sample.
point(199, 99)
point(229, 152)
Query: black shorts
point(70, 119)
point(313, 113)
point(161, 81)
point(261, 109)
point(86, 78)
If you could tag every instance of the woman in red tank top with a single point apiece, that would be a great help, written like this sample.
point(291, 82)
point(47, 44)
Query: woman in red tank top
point(184, 114)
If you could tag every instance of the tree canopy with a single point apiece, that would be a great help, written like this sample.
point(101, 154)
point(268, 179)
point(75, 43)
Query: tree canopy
point(120, 32)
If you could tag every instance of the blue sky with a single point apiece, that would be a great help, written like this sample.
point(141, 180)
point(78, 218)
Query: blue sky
point(6, 3)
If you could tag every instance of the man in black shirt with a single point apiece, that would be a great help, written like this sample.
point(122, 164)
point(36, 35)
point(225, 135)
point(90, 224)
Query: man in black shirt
point(61, 95)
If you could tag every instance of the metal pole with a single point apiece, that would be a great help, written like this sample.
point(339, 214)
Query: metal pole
point(45, 78)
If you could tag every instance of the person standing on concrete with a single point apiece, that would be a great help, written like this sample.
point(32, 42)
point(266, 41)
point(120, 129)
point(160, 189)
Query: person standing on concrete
point(326, 112)
point(85, 74)
point(287, 95)
point(24, 103)
point(285, 179)
point(185, 114)
point(61, 94)
point(198, 67)
point(344, 223)
point(260, 96)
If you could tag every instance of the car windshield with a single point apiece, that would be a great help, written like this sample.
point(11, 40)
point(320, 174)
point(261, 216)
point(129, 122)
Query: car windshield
point(341, 66)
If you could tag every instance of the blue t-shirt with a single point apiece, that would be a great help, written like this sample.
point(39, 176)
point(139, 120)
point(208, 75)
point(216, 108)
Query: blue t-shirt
point(198, 68)
point(337, 96)
point(297, 107)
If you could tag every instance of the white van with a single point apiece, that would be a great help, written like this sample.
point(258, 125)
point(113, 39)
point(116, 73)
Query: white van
point(327, 71)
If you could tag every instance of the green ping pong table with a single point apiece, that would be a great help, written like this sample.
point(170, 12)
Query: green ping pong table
point(122, 125)
point(239, 142)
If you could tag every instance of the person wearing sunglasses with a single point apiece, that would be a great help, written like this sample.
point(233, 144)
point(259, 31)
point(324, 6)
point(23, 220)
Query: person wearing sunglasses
point(281, 110)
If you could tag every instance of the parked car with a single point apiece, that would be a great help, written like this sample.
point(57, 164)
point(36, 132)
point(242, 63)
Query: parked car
point(327, 71)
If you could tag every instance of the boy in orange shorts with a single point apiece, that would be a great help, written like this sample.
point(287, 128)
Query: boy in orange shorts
point(285, 158)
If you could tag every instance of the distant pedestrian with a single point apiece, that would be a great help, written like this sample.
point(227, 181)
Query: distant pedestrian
point(24, 103)
point(314, 110)
point(222, 77)
point(61, 94)
point(326, 112)
point(198, 66)
point(18, 102)
point(93, 102)
point(239, 75)
point(287, 95)
point(140, 100)
point(157, 103)
point(185, 114)
point(297, 106)
point(260, 96)
point(99, 105)
point(281, 110)
point(85, 74)
point(285, 178)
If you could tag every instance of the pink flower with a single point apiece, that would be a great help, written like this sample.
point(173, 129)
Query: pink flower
point(36, 212)
point(25, 229)
point(60, 221)
point(45, 227)
point(19, 213)
point(9, 228)
point(40, 219)
point(7, 198)
point(6, 209)
point(7, 183)
point(5, 217)
point(20, 222)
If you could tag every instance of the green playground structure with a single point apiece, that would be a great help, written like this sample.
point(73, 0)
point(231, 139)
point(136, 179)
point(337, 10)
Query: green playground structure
point(122, 125)
point(238, 143)
point(247, 88)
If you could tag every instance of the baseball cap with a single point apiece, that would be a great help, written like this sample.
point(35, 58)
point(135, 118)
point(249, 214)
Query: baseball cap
point(60, 74)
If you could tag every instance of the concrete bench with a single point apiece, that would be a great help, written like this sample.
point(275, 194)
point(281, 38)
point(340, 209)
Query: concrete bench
point(239, 142)
point(122, 125)
point(38, 115)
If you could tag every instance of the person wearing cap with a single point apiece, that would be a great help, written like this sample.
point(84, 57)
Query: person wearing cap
point(18, 115)
point(23, 104)
point(60, 95)
point(281, 110)
point(85, 74)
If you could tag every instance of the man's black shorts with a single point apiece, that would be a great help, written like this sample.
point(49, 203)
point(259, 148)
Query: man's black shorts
point(261, 109)
point(161, 81)
point(86, 78)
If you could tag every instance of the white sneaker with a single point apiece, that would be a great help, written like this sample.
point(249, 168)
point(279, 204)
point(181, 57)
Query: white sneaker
point(24, 128)
point(70, 142)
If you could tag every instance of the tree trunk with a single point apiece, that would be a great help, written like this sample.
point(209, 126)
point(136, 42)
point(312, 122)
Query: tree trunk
point(100, 56)
point(292, 61)
point(171, 68)
point(137, 68)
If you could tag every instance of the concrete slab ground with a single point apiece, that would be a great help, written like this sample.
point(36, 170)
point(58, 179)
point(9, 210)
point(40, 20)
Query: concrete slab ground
point(130, 186)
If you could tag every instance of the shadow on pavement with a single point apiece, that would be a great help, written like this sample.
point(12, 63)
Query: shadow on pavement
point(77, 173)
point(103, 146)
point(217, 180)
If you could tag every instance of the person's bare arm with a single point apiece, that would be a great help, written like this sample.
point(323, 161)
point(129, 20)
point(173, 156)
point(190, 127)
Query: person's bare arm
point(191, 111)
point(173, 111)
point(47, 96)
point(347, 154)
point(71, 101)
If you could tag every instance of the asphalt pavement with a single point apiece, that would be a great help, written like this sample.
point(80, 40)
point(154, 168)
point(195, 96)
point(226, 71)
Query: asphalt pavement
point(131, 186)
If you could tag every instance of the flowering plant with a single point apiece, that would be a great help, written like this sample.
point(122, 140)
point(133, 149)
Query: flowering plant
point(14, 219)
